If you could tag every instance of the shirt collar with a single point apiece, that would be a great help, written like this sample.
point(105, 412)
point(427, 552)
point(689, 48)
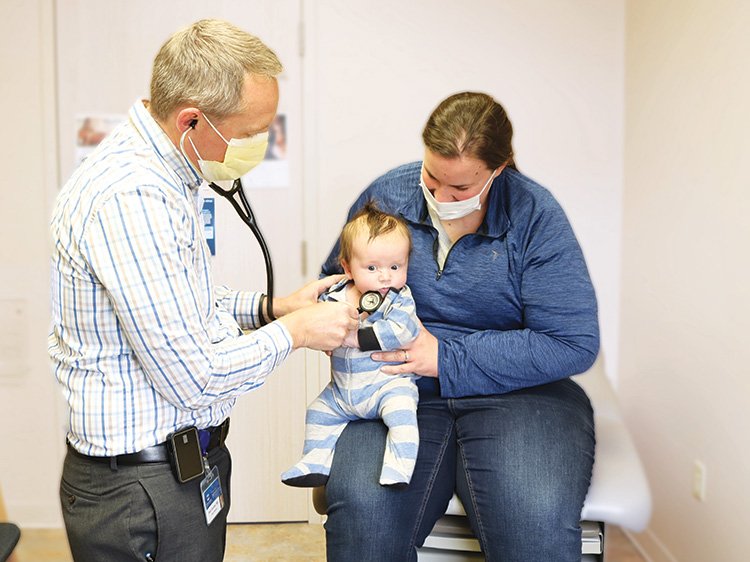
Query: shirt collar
point(152, 133)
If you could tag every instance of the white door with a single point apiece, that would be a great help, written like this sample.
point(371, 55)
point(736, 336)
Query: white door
point(105, 52)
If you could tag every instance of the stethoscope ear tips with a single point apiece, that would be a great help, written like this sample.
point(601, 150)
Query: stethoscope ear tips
point(193, 123)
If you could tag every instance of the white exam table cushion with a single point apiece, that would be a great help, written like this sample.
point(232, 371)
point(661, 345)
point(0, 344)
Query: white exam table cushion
point(619, 491)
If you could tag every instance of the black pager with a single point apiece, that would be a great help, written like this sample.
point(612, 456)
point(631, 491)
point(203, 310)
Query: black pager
point(185, 454)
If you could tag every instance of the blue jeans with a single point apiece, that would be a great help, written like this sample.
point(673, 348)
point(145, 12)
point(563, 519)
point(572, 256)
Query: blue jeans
point(520, 462)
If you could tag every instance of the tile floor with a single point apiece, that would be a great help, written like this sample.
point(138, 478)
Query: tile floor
point(289, 542)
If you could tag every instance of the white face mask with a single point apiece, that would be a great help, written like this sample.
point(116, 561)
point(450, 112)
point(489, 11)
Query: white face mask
point(452, 209)
point(242, 156)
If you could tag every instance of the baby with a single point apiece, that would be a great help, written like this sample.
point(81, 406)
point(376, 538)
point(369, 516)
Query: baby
point(375, 249)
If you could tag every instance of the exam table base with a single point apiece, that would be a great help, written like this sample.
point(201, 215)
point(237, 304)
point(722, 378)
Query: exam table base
point(451, 540)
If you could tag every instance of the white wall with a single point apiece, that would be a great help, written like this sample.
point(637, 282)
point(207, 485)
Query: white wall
point(558, 67)
point(685, 358)
point(28, 398)
point(376, 70)
point(373, 72)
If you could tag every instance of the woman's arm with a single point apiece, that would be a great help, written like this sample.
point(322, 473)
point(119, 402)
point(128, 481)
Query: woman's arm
point(420, 357)
point(525, 317)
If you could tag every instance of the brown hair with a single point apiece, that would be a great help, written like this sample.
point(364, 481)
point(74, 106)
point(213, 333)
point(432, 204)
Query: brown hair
point(473, 125)
point(205, 64)
point(374, 222)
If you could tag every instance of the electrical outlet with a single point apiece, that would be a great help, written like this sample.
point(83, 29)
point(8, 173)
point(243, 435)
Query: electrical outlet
point(699, 480)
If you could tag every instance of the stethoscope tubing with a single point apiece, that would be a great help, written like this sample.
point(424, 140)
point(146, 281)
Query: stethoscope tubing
point(243, 209)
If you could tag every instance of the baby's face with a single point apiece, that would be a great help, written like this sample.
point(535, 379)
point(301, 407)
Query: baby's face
point(379, 264)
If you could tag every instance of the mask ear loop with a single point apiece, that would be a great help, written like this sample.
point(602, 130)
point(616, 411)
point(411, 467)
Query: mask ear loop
point(191, 126)
point(214, 128)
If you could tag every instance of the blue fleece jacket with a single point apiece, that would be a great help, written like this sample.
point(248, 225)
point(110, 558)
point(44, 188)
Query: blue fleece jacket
point(513, 306)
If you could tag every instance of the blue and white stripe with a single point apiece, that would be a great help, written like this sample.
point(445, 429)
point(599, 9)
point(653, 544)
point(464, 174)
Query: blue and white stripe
point(359, 390)
point(142, 341)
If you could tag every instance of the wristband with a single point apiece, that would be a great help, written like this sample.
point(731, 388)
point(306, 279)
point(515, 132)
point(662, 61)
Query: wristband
point(261, 318)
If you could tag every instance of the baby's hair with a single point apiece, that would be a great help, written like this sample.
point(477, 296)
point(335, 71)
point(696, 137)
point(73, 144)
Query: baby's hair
point(372, 220)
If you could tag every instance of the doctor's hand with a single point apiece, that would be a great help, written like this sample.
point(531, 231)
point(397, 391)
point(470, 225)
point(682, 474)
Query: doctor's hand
point(322, 326)
point(305, 296)
point(420, 357)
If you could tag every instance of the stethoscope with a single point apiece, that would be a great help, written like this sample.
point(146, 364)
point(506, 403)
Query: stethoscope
point(248, 217)
point(236, 196)
point(369, 302)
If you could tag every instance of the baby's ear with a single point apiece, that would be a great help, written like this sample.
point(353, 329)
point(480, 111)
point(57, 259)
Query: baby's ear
point(347, 269)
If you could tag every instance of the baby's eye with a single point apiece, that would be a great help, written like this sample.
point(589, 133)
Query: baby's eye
point(395, 267)
point(371, 268)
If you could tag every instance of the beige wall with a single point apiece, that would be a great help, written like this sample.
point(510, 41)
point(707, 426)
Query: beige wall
point(684, 373)
point(31, 434)
point(683, 356)
point(556, 64)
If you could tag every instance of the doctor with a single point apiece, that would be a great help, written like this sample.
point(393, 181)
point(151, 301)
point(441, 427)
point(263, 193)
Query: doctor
point(143, 343)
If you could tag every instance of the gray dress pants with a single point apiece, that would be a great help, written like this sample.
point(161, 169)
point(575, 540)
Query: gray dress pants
point(140, 513)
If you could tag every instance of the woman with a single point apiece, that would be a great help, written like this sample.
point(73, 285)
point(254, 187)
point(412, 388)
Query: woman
point(509, 313)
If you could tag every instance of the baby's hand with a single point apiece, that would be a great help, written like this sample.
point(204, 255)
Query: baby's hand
point(351, 339)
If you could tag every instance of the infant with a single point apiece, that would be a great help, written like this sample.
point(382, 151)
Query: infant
point(375, 248)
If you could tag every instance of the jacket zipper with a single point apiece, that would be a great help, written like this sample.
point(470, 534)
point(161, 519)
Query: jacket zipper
point(435, 248)
point(448, 255)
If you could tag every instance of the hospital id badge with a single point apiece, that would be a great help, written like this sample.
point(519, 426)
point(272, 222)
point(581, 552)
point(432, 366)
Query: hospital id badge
point(213, 499)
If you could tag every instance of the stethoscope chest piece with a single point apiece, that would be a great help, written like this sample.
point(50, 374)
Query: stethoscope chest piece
point(370, 301)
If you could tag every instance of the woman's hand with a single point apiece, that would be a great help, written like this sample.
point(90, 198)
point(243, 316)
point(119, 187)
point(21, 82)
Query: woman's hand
point(420, 357)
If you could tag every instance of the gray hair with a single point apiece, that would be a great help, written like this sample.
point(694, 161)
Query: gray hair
point(205, 64)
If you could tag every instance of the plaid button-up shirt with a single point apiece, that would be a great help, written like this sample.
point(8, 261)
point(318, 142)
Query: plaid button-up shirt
point(142, 341)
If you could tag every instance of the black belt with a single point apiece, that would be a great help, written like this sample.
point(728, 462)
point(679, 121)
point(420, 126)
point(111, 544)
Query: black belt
point(157, 453)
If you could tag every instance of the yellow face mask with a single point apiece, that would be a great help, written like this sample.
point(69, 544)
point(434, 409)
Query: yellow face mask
point(242, 156)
